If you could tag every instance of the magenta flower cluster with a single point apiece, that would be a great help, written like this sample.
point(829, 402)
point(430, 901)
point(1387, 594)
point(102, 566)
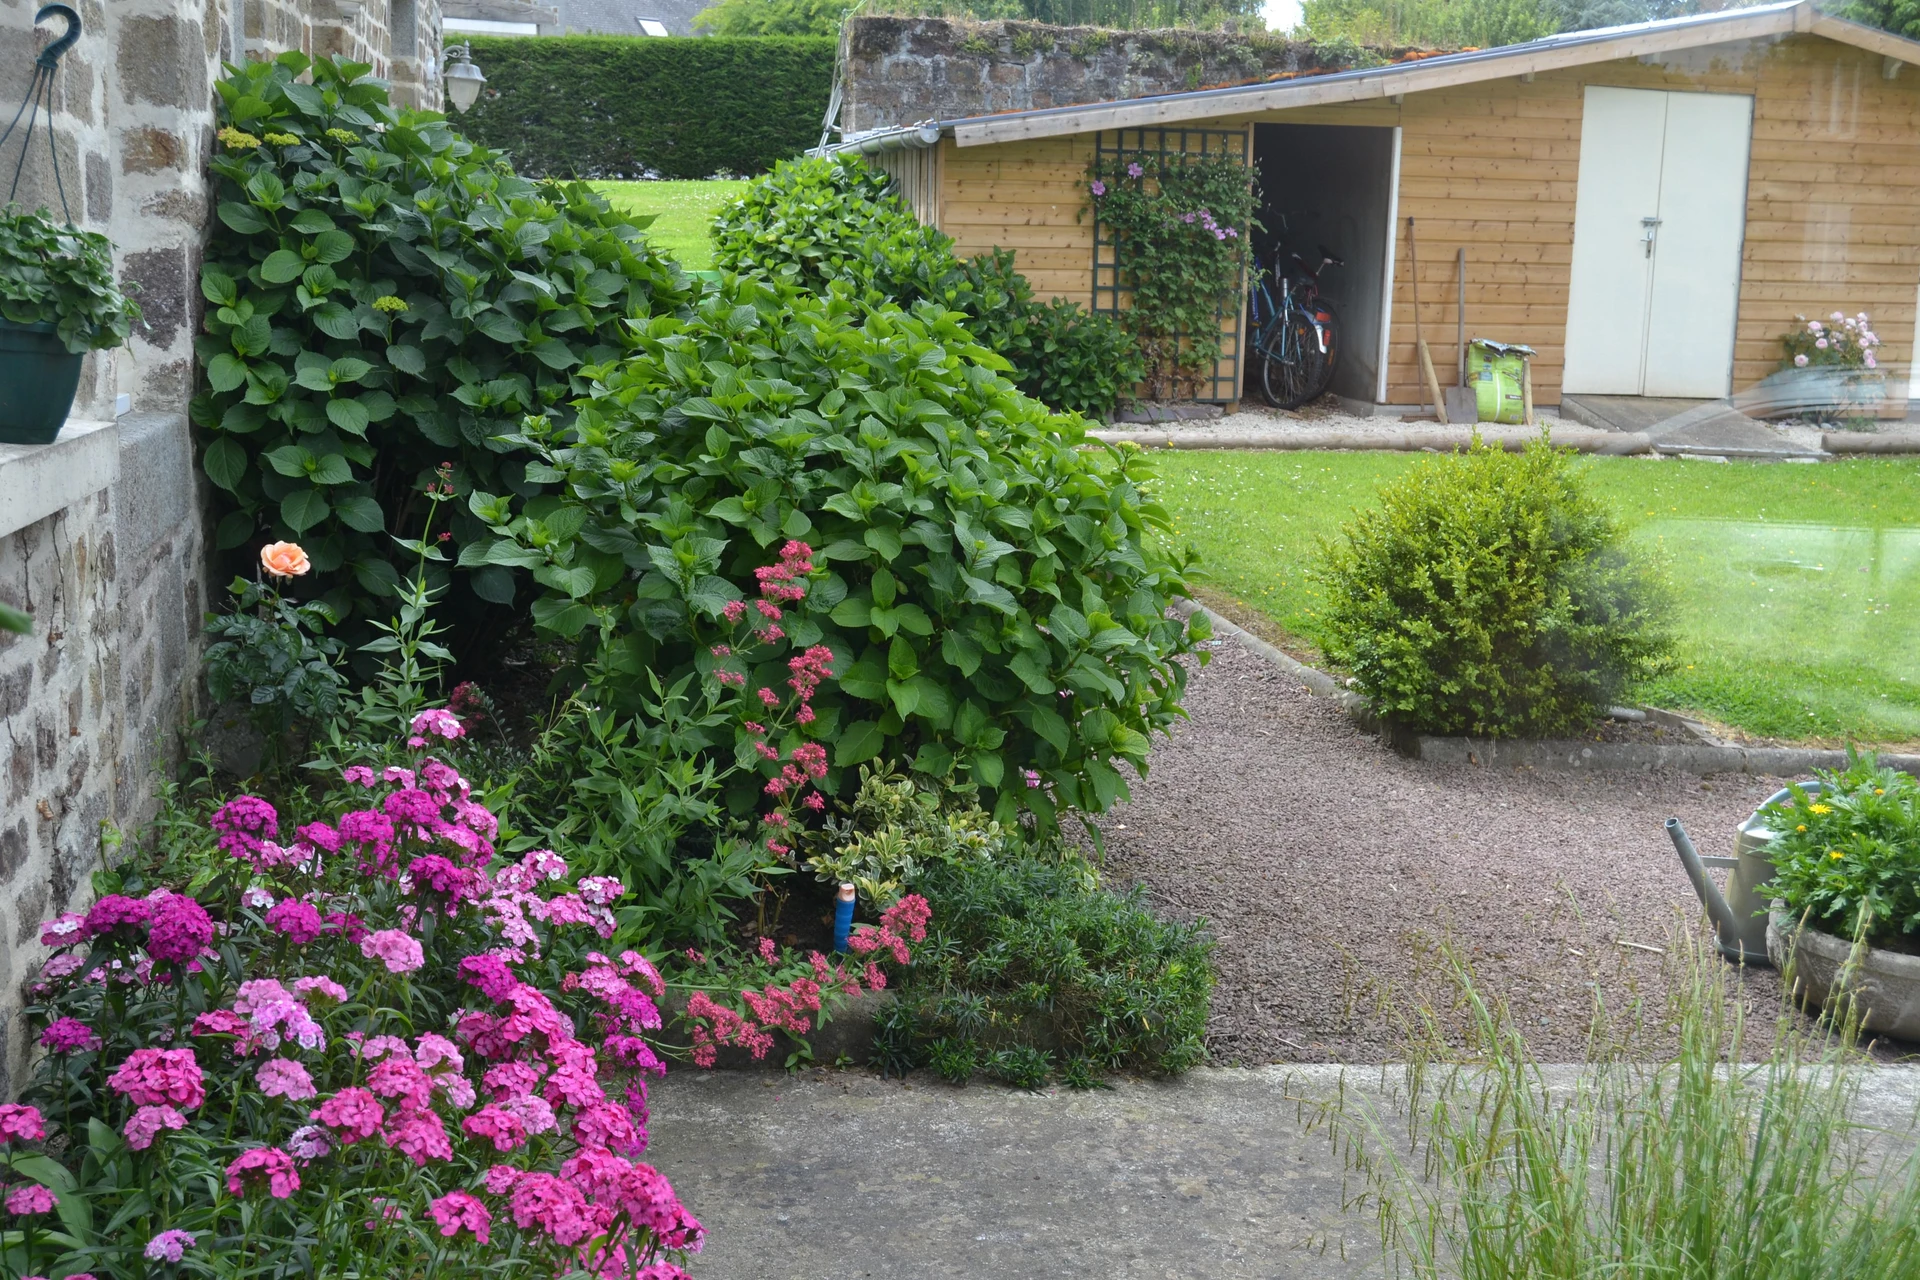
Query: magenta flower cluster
point(303, 1042)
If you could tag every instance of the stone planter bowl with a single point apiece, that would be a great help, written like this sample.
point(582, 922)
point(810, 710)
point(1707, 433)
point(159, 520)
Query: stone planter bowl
point(1885, 987)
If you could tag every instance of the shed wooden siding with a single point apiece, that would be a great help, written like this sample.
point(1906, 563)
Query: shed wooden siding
point(1833, 200)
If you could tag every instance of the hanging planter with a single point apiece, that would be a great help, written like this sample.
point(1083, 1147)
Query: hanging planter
point(58, 299)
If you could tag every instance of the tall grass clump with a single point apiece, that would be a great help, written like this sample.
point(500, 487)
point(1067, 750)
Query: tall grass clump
point(1699, 1167)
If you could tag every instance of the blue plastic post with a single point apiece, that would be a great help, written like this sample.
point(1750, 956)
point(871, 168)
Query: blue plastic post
point(843, 917)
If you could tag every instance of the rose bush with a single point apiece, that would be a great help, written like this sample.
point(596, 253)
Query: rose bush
point(367, 1045)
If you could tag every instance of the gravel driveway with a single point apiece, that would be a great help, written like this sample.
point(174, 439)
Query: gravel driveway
point(1333, 870)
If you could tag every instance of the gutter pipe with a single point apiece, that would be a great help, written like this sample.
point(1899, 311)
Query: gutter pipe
point(873, 142)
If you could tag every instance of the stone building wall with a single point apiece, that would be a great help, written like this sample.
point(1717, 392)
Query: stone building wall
point(906, 70)
point(101, 536)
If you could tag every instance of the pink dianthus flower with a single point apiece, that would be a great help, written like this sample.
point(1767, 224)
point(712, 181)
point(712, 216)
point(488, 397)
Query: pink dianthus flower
point(30, 1197)
point(69, 1035)
point(299, 921)
point(419, 1134)
point(21, 1123)
point(146, 1123)
point(400, 950)
point(459, 1211)
point(285, 1078)
point(161, 1077)
point(353, 1114)
point(270, 1164)
point(181, 929)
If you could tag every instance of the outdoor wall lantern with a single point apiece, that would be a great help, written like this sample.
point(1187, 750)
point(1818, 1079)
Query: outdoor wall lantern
point(464, 80)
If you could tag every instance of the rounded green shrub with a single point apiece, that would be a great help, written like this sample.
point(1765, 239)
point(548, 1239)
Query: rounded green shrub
point(817, 223)
point(986, 581)
point(1490, 594)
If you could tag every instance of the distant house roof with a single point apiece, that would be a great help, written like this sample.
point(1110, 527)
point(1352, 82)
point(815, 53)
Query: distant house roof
point(1415, 73)
point(625, 17)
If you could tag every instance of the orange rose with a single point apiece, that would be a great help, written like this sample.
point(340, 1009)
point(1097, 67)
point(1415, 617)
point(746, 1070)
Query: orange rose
point(284, 559)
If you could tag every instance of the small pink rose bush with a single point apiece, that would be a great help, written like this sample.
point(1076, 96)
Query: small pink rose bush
point(370, 1045)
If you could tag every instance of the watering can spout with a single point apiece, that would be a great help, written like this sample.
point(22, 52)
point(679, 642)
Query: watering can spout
point(1734, 942)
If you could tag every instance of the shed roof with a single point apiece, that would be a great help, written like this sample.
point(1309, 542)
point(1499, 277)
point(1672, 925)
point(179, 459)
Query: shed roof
point(1573, 49)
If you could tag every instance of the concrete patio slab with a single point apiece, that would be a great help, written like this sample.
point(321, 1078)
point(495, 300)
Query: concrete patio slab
point(1209, 1177)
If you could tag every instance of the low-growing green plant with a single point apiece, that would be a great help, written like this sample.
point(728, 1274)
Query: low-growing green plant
point(274, 656)
point(894, 827)
point(816, 223)
point(1062, 355)
point(62, 276)
point(1491, 593)
point(385, 297)
point(1029, 963)
point(1847, 856)
point(988, 601)
point(1704, 1165)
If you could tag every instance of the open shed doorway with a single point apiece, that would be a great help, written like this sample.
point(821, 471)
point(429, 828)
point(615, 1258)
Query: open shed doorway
point(1333, 185)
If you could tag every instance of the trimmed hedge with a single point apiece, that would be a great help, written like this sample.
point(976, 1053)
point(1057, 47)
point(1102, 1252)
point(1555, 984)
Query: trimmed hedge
point(616, 106)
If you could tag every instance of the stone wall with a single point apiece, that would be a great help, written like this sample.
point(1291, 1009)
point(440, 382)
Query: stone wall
point(101, 536)
point(906, 70)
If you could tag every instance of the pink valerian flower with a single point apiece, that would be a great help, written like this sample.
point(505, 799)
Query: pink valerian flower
point(181, 929)
point(161, 1077)
point(815, 801)
point(459, 1211)
point(30, 1197)
point(285, 1078)
point(67, 929)
point(243, 822)
point(69, 1035)
point(270, 1165)
point(435, 722)
point(908, 917)
point(715, 1025)
point(399, 950)
point(866, 940)
point(767, 697)
point(352, 1114)
point(146, 1124)
point(419, 1134)
point(733, 610)
point(20, 1123)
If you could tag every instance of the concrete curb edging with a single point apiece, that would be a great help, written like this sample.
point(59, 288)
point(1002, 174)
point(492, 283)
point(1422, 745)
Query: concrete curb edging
point(1414, 440)
point(1700, 758)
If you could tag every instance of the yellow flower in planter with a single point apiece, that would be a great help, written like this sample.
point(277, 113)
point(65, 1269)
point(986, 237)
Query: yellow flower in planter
point(1819, 808)
point(1801, 827)
point(1834, 854)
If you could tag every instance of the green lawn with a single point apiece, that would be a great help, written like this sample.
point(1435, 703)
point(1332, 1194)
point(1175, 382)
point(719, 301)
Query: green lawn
point(1800, 585)
point(684, 212)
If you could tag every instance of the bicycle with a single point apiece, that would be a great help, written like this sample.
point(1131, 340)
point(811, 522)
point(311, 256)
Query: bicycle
point(1295, 339)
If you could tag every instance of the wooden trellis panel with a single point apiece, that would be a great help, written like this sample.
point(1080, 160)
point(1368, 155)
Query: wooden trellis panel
point(1109, 292)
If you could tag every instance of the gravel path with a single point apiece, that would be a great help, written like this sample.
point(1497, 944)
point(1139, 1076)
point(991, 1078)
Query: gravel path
point(1332, 869)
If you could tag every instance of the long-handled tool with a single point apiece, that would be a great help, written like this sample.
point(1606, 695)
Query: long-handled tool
point(1430, 381)
point(1463, 404)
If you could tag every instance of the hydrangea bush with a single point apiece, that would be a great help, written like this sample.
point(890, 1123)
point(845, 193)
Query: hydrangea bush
point(367, 1046)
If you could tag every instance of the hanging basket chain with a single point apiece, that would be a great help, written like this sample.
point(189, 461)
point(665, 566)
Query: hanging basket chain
point(40, 94)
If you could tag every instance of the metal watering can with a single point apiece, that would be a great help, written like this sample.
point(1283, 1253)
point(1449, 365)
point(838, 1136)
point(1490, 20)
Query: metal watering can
point(1740, 917)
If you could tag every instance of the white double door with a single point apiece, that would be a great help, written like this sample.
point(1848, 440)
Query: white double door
point(1657, 235)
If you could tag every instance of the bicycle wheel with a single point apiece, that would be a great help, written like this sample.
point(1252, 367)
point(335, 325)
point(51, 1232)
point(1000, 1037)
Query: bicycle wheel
point(1291, 373)
point(1330, 334)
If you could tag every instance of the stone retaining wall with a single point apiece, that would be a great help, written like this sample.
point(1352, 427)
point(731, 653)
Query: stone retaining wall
point(906, 70)
point(101, 535)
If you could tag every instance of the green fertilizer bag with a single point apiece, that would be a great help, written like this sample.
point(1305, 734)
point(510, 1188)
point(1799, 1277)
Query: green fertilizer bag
point(1495, 371)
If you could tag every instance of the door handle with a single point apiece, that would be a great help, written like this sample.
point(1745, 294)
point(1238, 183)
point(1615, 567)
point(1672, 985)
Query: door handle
point(1652, 227)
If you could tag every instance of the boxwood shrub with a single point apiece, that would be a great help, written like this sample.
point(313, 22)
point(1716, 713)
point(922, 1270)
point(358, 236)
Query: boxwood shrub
point(993, 599)
point(816, 223)
point(1490, 593)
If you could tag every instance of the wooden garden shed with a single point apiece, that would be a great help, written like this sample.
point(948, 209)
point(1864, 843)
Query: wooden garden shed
point(1649, 206)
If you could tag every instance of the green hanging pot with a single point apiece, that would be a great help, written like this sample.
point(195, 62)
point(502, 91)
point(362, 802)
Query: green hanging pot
point(38, 378)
